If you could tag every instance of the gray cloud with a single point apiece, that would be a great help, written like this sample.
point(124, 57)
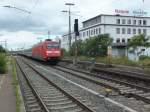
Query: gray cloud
point(46, 15)
point(17, 24)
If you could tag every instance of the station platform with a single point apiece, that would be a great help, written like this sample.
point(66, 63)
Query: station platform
point(7, 95)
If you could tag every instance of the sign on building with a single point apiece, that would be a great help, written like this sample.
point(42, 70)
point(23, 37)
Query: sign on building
point(139, 12)
point(120, 11)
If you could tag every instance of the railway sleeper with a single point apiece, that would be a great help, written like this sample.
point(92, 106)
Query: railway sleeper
point(147, 106)
point(31, 102)
point(51, 95)
point(144, 94)
point(129, 90)
point(32, 106)
point(29, 95)
point(34, 110)
point(59, 103)
point(30, 98)
point(56, 100)
point(55, 97)
point(65, 108)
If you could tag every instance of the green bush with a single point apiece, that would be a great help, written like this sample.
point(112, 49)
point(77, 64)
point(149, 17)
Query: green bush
point(145, 62)
point(116, 60)
point(93, 46)
point(143, 57)
point(64, 53)
point(3, 62)
point(123, 61)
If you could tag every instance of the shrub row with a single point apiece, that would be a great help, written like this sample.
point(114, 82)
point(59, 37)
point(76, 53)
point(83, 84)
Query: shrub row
point(3, 62)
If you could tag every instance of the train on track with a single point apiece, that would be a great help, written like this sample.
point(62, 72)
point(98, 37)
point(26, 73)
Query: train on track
point(47, 50)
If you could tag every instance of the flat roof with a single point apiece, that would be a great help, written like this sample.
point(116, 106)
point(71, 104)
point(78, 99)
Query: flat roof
point(118, 15)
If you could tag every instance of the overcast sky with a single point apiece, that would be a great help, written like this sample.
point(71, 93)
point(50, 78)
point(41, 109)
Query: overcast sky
point(21, 29)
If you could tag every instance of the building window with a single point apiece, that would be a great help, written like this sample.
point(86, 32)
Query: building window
point(73, 36)
point(83, 34)
point(140, 22)
point(91, 32)
point(123, 30)
point(134, 31)
point(129, 21)
point(134, 22)
point(129, 30)
point(118, 21)
point(144, 31)
point(144, 22)
point(87, 33)
point(99, 30)
point(139, 31)
point(96, 31)
point(123, 21)
point(80, 34)
point(63, 38)
point(117, 30)
point(123, 40)
point(118, 40)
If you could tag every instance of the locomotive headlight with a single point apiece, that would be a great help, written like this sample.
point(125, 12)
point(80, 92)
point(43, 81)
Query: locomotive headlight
point(49, 52)
point(56, 51)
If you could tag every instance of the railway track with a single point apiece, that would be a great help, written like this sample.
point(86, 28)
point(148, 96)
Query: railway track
point(51, 97)
point(103, 68)
point(32, 100)
point(127, 99)
point(124, 88)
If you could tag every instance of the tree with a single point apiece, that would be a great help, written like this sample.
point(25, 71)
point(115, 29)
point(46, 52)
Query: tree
point(96, 46)
point(139, 41)
point(80, 48)
point(93, 46)
point(2, 49)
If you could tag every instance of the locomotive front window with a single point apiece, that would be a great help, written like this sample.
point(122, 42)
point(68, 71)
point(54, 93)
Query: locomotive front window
point(52, 46)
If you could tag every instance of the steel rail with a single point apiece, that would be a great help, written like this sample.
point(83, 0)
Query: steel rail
point(110, 86)
point(110, 79)
point(43, 106)
point(114, 88)
point(79, 103)
point(124, 73)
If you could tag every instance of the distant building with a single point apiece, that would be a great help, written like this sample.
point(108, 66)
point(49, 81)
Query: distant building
point(121, 28)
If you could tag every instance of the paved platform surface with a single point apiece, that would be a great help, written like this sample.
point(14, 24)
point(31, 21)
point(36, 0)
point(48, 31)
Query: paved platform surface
point(7, 96)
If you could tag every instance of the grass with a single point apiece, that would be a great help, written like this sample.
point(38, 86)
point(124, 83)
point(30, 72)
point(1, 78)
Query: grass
point(106, 60)
point(143, 63)
point(117, 60)
point(16, 86)
point(3, 63)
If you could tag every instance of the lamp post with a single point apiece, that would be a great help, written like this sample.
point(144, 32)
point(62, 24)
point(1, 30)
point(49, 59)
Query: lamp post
point(69, 12)
point(8, 6)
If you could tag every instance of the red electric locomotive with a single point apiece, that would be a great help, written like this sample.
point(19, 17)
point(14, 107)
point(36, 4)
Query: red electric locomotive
point(47, 51)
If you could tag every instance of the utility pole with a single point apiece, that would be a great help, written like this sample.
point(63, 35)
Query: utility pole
point(69, 29)
point(76, 31)
point(49, 34)
point(69, 12)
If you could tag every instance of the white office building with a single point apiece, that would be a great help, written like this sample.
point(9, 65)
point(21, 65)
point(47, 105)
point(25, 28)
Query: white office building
point(121, 28)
